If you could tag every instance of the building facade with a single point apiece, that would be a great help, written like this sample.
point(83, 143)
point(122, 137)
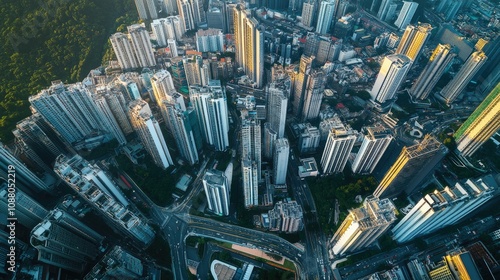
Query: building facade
point(391, 75)
point(337, 149)
point(480, 125)
point(412, 166)
point(376, 140)
point(281, 153)
point(217, 190)
point(363, 226)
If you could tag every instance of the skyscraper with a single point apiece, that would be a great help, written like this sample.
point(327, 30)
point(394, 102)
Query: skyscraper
point(313, 95)
point(249, 42)
point(149, 132)
point(94, 188)
point(463, 77)
point(167, 28)
point(183, 132)
point(325, 16)
point(301, 82)
point(276, 109)
point(210, 40)
point(251, 142)
point(38, 136)
point(280, 162)
point(211, 109)
point(179, 75)
point(406, 14)
point(438, 62)
point(308, 13)
point(70, 110)
point(270, 137)
point(412, 166)
point(363, 226)
point(123, 51)
point(217, 190)
point(141, 45)
point(28, 211)
point(106, 115)
point(116, 264)
point(146, 9)
point(413, 40)
point(386, 10)
point(65, 242)
point(480, 125)
point(338, 147)
point(286, 217)
point(392, 73)
point(196, 71)
point(250, 183)
point(186, 14)
point(163, 86)
point(443, 208)
point(375, 142)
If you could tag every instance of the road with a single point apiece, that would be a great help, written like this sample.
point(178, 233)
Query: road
point(317, 257)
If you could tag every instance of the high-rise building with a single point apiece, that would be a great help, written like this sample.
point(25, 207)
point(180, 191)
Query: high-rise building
point(210, 106)
point(384, 11)
point(480, 125)
point(118, 105)
point(392, 73)
point(179, 75)
point(148, 129)
point(251, 143)
point(123, 51)
point(163, 86)
point(69, 109)
point(280, 161)
point(78, 174)
point(177, 121)
point(186, 14)
point(270, 137)
point(106, 115)
point(301, 82)
point(217, 16)
point(199, 15)
point(276, 109)
point(444, 208)
point(167, 28)
point(325, 16)
point(363, 226)
point(146, 9)
point(338, 147)
point(438, 63)
point(141, 45)
point(406, 14)
point(28, 211)
point(250, 183)
point(196, 71)
point(413, 40)
point(308, 13)
point(170, 7)
point(412, 166)
point(172, 45)
point(249, 42)
point(217, 190)
point(65, 242)
point(309, 139)
point(116, 264)
point(455, 87)
point(375, 142)
point(35, 133)
point(210, 40)
point(286, 217)
point(313, 95)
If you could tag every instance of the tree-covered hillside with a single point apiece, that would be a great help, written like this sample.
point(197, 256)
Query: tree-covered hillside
point(46, 40)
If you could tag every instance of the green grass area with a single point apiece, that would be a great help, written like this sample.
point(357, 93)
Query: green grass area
point(51, 40)
point(344, 187)
point(158, 184)
point(289, 264)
